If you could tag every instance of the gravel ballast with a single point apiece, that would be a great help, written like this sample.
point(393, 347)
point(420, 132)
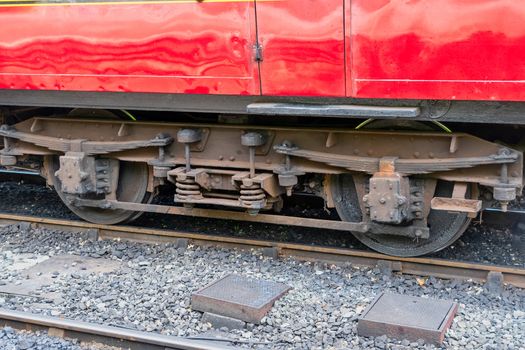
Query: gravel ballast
point(151, 291)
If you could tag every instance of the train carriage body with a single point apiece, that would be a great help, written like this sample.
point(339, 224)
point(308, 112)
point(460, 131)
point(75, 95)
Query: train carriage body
point(426, 49)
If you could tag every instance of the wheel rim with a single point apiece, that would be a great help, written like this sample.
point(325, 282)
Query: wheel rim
point(132, 187)
point(445, 227)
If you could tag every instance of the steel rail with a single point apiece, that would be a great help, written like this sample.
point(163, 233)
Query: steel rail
point(96, 333)
point(18, 172)
point(6, 172)
point(414, 266)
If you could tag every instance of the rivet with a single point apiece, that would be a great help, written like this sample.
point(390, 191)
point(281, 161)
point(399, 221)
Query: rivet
point(232, 158)
point(416, 154)
point(221, 157)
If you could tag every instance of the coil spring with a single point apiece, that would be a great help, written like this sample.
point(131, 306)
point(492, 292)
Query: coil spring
point(187, 188)
point(252, 194)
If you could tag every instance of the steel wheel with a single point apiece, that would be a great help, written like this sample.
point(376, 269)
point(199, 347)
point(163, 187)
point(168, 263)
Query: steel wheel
point(132, 187)
point(445, 227)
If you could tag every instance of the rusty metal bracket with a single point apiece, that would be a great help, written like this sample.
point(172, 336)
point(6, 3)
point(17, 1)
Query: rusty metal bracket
point(458, 202)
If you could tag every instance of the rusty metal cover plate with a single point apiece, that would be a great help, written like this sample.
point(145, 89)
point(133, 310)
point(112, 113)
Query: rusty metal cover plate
point(238, 297)
point(406, 317)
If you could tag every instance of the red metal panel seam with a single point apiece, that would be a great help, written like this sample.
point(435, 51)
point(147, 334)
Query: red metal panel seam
point(344, 48)
point(349, 46)
point(258, 43)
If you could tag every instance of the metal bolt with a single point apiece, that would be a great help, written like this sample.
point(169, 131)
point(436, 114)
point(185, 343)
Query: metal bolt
point(419, 233)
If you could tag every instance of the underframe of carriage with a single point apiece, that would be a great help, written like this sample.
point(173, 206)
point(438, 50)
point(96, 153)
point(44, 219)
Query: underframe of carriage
point(400, 192)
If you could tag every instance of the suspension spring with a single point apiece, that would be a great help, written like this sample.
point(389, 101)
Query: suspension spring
point(252, 196)
point(187, 189)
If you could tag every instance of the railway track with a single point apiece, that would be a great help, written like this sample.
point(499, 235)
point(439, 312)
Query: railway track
point(94, 333)
point(414, 266)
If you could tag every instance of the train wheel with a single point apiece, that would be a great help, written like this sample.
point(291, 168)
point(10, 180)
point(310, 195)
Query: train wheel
point(445, 227)
point(132, 187)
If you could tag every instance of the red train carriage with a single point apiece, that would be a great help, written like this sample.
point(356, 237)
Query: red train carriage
point(242, 103)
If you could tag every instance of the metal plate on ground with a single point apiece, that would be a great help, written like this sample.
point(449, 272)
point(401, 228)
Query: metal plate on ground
point(239, 297)
point(407, 317)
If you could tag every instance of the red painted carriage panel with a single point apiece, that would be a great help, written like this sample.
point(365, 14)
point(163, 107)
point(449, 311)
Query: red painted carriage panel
point(436, 49)
point(424, 49)
point(303, 47)
point(174, 47)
